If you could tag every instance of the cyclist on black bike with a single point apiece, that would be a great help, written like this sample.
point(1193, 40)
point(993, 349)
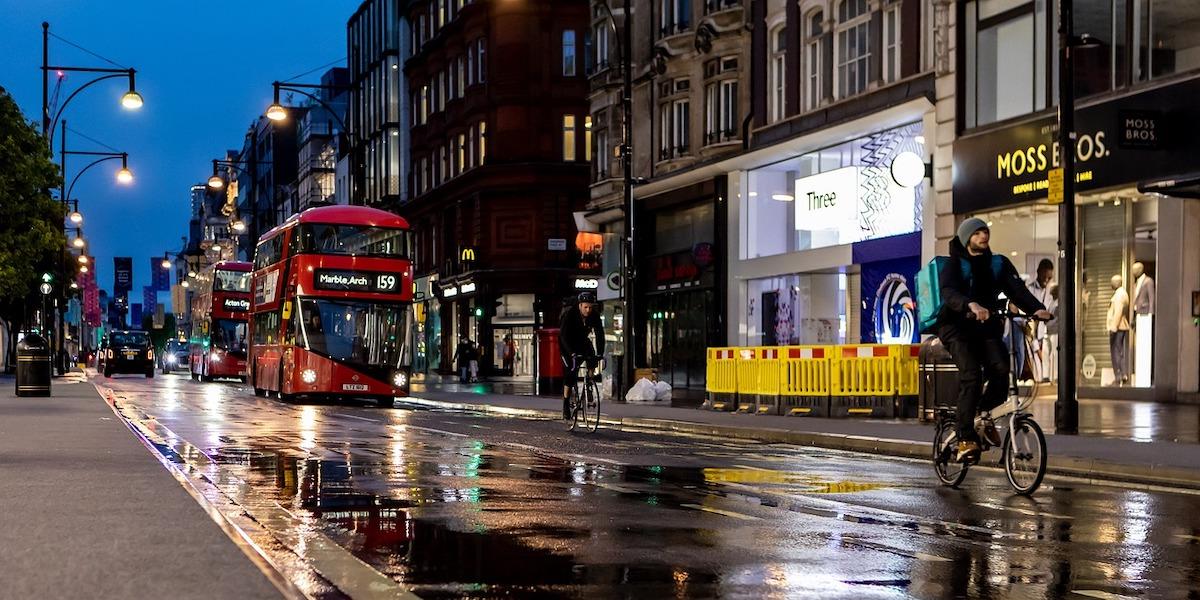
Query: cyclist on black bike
point(577, 321)
point(970, 335)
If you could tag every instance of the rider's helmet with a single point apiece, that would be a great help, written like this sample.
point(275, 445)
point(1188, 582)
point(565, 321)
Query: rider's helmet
point(586, 297)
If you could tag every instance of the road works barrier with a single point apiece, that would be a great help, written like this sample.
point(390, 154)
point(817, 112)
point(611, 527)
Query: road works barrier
point(874, 380)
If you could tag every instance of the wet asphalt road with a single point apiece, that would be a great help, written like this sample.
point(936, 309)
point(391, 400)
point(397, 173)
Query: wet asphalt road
point(451, 504)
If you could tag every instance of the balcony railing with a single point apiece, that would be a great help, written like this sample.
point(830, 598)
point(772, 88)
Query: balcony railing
point(670, 152)
point(717, 137)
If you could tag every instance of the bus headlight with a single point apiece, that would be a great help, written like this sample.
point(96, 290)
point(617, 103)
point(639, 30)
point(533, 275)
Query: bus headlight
point(400, 379)
point(214, 357)
point(171, 359)
point(308, 376)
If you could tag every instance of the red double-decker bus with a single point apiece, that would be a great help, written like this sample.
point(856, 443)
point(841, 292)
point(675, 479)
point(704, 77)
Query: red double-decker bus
point(220, 322)
point(332, 293)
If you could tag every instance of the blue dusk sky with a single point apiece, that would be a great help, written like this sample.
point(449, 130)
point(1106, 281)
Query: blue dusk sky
point(205, 70)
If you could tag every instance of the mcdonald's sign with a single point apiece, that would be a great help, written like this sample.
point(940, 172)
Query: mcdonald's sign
point(466, 255)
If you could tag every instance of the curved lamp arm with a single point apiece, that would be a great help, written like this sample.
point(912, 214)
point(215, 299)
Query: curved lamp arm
point(63, 106)
point(612, 20)
point(123, 157)
point(283, 86)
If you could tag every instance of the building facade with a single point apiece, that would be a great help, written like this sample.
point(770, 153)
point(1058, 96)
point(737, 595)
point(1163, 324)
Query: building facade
point(265, 173)
point(318, 140)
point(746, 115)
point(500, 145)
point(1136, 122)
point(377, 46)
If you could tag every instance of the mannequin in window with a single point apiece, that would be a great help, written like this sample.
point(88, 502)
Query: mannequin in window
point(1117, 323)
point(1143, 324)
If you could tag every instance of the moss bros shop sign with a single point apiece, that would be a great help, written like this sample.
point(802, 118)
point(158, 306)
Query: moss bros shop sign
point(1119, 142)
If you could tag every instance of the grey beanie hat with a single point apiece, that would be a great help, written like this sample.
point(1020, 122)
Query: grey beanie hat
point(968, 229)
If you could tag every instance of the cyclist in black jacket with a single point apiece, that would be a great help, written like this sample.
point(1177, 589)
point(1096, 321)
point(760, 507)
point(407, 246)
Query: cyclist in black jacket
point(970, 335)
point(576, 322)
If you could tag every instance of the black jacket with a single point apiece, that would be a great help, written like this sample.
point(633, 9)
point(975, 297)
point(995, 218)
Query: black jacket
point(573, 333)
point(984, 287)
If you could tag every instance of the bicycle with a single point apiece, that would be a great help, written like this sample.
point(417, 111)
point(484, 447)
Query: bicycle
point(1023, 451)
point(585, 405)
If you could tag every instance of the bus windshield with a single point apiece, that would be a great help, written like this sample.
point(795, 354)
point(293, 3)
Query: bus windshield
point(229, 335)
point(359, 332)
point(356, 240)
point(231, 281)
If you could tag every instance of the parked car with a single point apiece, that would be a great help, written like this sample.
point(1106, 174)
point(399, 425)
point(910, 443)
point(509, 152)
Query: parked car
point(126, 352)
point(173, 357)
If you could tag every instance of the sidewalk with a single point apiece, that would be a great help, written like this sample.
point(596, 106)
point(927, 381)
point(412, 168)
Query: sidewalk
point(1109, 449)
point(88, 511)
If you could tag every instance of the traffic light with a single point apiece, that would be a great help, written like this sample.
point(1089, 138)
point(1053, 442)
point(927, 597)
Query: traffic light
point(478, 312)
point(47, 278)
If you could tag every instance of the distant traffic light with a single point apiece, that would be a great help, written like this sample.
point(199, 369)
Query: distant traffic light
point(478, 312)
point(47, 277)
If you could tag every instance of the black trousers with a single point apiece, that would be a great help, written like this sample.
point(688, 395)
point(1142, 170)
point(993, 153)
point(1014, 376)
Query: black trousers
point(981, 356)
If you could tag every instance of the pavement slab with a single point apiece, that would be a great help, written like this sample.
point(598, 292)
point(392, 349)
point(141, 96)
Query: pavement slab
point(89, 512)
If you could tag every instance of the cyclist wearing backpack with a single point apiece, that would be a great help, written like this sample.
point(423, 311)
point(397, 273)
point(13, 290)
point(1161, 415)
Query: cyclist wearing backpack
point(971, 283)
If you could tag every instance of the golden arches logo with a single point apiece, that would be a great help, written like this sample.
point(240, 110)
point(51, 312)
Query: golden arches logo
point(467, 255)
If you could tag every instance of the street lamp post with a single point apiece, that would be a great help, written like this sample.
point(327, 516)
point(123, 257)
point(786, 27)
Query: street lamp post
point(277, 112)
point(216, 182)
point(1066, 405)
point(131, 99)
point(628, 254)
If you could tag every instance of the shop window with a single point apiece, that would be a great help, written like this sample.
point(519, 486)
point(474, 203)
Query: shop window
point(681, 229)
point(804, 308)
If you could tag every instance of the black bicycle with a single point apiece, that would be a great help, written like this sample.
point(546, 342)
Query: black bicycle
point(1023, 452)
point(585, 399)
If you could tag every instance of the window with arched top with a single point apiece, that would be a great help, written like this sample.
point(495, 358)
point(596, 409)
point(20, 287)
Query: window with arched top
point(852, 47)
point(778, 74)
point(812, 60)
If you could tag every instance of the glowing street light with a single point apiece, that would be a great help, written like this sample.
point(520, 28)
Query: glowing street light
point(238, 225)
point(166, 263)
point(124, 175)
point(83, 259)
point(215, 182)
point(83, 269)
point(78, 241)
point(185, 284)
point(276, 112)
point(76, 217)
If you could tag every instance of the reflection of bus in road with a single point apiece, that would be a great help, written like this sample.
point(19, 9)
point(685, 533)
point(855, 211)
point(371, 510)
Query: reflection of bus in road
point(220, 313)
point(332, 289)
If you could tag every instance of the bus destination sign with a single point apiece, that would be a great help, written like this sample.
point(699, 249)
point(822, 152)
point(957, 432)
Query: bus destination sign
point(236, 304)
point(355, 281)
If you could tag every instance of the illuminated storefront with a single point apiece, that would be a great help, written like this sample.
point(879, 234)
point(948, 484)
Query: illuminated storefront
point(827, 241)
point(1138, 252)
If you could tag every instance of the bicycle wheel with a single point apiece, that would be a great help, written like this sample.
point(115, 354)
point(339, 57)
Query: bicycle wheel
point(576, 413)
point(1025, 455)
point(592, 404)
point(949, 471)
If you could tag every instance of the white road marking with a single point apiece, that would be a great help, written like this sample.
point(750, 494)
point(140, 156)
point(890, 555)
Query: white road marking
point(922, 556)
point(717, 511)
point(1195, 538)
point(1023, 511)
point(354, 417)
point(431, 430)
point(1101, 594)
point(616, 488)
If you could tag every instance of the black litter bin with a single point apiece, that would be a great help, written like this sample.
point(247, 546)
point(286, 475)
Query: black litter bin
point(939, 378)
point(33, 366)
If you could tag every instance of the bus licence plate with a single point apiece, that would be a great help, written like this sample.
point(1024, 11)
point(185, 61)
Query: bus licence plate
point(355, 387)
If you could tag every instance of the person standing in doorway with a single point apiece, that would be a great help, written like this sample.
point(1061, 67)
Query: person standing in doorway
point(462, 356)
point(1040, 288)
point(510, 354)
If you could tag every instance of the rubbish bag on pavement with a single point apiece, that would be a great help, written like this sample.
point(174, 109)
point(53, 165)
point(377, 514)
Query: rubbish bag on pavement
point(642, 391)
point(662, 391)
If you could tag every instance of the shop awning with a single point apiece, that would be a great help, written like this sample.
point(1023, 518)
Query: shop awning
point(1180, 186)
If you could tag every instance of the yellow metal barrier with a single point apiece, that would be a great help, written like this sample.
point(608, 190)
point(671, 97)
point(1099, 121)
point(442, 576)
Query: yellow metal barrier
point(908, 376)
point(721, 371)
point(864, 370)
point(804, 371)
point(801, 376)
